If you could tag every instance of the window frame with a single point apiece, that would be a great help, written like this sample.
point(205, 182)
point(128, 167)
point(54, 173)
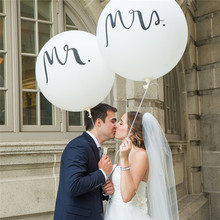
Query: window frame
point(75, 127)
point(75, 13)
point(8, 69)
point(14, 69)
point(57, 114)
point(171, 86)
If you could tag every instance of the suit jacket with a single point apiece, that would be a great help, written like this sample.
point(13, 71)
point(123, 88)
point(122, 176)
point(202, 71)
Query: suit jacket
point(79, 194)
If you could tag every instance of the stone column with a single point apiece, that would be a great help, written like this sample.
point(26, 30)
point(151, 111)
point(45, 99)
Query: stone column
point(192, 103)
point(208, 43)
point(153, 101)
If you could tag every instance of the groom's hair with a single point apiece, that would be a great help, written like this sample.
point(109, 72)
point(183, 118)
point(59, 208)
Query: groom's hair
point(99, 111)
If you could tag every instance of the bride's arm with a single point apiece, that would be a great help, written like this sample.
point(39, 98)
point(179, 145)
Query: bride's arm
point(130, 179)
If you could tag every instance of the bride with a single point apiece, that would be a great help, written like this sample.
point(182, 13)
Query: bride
point(143, 179)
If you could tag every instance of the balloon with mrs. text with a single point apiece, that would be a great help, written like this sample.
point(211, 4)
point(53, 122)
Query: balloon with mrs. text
point(70, 71)
point(142, 38)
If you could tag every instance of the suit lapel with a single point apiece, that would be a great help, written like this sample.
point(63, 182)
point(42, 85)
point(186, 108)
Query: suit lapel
point(92, 144)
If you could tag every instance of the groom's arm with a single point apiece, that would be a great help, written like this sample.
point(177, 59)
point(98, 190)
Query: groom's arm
point(105, 197)
point(108, 189)
point(76, 177)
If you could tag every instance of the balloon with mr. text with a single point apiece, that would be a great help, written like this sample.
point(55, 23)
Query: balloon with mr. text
point(70, 71)
point(142, 39)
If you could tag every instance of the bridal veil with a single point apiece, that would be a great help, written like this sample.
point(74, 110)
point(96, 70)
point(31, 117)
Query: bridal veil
point(161, 189)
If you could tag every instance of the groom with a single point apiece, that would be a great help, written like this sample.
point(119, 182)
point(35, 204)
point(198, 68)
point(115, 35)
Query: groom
point(82, 172)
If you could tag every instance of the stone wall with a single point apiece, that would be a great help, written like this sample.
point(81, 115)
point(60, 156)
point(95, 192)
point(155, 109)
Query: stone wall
point(208, 73)
point(29, 179)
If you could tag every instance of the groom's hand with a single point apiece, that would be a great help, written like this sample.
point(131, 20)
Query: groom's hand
point(108, 187)
point(105, 164)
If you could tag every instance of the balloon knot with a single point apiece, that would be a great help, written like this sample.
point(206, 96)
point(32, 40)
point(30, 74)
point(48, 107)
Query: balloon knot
point(89, 111)
point(147, 80)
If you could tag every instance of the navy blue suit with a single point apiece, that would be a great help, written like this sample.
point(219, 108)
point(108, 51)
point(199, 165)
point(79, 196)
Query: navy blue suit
point(79, 194)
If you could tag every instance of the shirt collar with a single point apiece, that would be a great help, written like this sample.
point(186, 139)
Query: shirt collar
point(94, 138)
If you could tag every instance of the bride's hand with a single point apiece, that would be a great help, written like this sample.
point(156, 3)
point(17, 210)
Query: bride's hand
point(125, 149)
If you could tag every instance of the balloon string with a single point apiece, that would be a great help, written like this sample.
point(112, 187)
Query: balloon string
point(137, 111)
point(90, 116)
point(146, 89)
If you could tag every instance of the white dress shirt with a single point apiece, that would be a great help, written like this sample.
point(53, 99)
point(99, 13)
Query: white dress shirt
point(98, 145)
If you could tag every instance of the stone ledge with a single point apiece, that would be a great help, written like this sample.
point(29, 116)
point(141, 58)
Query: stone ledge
point(34, 216)
point(209, 66)
point(155, 103)
point(38, 147)
point(31, 147)
point(191, 204)
point(212, 91)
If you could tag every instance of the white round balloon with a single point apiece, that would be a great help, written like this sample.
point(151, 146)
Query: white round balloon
point(70, 71)
point(142, 38)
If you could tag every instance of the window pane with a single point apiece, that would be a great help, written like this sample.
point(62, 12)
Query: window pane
point(2, 33)
point(1, 6)
point(28, 72)
point(75, 118)
point(171, 103)
point(2, 108)
point(68, 28)
point(29, 108)
point(27, 8)
point(44, 10)
point(46, 109)
point(69, 21)
point(27, 36)
point(2, 70)
point(44, 34)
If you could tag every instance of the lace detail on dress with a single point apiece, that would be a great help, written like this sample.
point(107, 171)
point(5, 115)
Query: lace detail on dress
point(141, 200)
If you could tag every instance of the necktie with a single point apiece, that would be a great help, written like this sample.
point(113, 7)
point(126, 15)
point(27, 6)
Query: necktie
point(100, 152)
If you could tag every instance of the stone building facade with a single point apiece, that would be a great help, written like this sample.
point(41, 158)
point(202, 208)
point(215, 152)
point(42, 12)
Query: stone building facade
point(186, 102)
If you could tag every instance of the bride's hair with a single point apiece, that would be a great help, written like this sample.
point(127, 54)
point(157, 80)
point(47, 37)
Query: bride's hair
point(136, 131)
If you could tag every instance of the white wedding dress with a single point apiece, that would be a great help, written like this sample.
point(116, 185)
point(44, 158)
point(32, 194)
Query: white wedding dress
point(135, 209)
point(156, 197)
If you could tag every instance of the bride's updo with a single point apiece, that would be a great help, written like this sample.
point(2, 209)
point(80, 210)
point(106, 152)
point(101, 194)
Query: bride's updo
point(136, 131)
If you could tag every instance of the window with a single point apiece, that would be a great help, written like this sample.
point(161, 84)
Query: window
point(36, 28)
point(69, 24)
point(25, 26)
point(5, 78)
point(74, 118)
point(3, 90)
point(171, 104)
point(174, 129)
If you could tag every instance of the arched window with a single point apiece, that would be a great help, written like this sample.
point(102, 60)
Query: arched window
point(174, 126)
point(172, 105)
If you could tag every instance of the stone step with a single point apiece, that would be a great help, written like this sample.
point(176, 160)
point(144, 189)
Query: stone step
point(194, 207)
